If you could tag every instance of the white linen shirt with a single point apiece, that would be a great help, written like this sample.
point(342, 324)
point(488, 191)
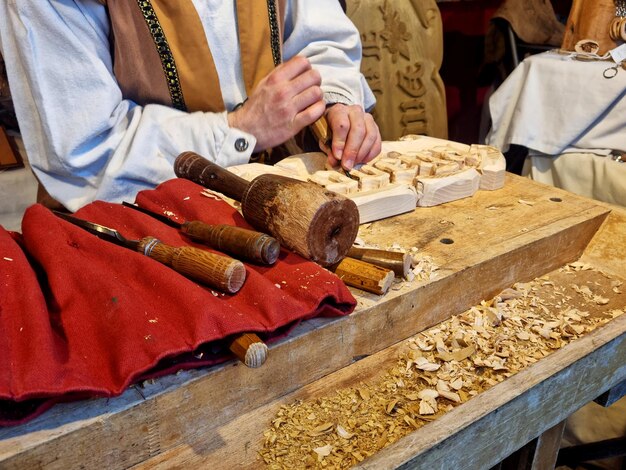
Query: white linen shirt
point(85, 142)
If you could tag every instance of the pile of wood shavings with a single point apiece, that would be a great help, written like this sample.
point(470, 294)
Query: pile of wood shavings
point(423, 267)
point(441, 368)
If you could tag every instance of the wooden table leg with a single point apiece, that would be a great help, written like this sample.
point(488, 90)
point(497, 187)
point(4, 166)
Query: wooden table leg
point(539, 454)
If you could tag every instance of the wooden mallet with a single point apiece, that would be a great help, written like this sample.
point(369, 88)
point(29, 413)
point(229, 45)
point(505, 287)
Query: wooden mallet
point(316, 223)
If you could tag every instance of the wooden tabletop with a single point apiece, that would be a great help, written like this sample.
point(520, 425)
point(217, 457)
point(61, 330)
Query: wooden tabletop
point(482, 245)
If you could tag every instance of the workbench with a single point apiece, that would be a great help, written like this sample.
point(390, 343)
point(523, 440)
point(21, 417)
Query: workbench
point(215, 418)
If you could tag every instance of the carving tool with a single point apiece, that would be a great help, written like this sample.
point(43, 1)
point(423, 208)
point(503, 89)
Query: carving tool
point(363, 275)
point(304, 217)
point(249, 349)
point(253, 246)
point(322, 132)
point(398, 262)
point(324, 135)
point(216, 271)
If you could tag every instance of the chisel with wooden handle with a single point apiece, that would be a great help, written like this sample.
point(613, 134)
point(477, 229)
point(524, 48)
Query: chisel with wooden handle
point(363, 275)
point(249, 349)
point(239, 242)
point(322, 132)
point(398, 262)
point(217, 271)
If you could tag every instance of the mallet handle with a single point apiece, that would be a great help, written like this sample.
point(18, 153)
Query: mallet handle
point(191, 166)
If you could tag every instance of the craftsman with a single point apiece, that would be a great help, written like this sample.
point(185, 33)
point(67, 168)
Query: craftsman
point(101, 119)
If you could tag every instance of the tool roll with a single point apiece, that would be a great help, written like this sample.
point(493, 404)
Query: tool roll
point(82, 317)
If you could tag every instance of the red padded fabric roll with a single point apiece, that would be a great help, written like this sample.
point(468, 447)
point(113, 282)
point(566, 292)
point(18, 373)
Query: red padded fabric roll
point(81, 317)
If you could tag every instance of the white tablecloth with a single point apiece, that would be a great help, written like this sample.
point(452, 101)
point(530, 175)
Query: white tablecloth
point(593, 176)
point(570, 118)
point(554, 104)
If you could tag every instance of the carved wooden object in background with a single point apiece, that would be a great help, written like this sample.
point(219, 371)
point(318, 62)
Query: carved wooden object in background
point(590, 19)
point(402, 55)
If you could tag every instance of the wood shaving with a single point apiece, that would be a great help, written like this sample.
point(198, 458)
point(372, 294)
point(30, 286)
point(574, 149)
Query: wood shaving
point(491, 341)
point(211, 194)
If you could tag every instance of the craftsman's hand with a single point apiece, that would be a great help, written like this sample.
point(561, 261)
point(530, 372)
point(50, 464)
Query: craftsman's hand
point(356, 138)
point(282, 104)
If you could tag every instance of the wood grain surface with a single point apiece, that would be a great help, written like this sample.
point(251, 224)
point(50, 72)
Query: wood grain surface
point(215, 417)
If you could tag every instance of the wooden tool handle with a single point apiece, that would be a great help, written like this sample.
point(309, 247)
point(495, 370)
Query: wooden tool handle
point(191, 166)
point(239, 242)
point(249, 349)
point(399, 263)
point(364, 276)
point(217, 271)
point(322, 131)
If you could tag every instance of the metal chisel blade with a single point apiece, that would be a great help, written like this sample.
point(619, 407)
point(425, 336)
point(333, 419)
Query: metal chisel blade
point(98, 230)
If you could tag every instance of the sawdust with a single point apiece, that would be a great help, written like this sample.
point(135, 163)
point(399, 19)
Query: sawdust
point(443, 367)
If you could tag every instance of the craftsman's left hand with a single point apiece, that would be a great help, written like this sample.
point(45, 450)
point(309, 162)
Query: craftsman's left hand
point(356, 138)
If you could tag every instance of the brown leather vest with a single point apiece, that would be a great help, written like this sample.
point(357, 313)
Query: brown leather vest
point(161, 55)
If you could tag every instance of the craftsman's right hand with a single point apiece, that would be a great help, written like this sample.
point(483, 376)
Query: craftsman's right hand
point(282, 104)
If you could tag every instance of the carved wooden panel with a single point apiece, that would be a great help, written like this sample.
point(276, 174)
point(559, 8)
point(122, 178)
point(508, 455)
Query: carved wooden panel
point(402, 55)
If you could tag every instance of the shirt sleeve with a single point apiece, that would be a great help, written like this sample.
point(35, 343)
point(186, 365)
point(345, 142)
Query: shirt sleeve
point(320, 31)
point(83, 140)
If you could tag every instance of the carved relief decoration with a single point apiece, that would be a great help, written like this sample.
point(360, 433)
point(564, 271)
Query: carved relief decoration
point(402, 55)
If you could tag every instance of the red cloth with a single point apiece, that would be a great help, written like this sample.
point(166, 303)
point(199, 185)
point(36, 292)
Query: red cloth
point(80, 316)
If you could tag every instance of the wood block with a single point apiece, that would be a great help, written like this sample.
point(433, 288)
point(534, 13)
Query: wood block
point(433, 191)
point(335, 181)
point(370, 178)
point(304, 164)
point(399, 171)
point(444, 168)
point(373, 204)
point(492, 168)
point(379, 204)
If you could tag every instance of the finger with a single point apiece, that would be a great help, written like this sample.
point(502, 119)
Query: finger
point(371, 145)
point(332, 161)
point(355, 138)
point(289, 70)
point(307, 97)
point(304, 81)
point(376, 147)
point(339, 123)
point(308, 116)
point(326, 149)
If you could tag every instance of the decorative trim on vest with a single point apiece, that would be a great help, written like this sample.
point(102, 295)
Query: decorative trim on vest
point(161, 54)
point(165, 53)
point(275, 39)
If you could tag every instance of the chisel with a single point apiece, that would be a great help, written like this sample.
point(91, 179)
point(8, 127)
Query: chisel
point(242, 243)
point(217, 271)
